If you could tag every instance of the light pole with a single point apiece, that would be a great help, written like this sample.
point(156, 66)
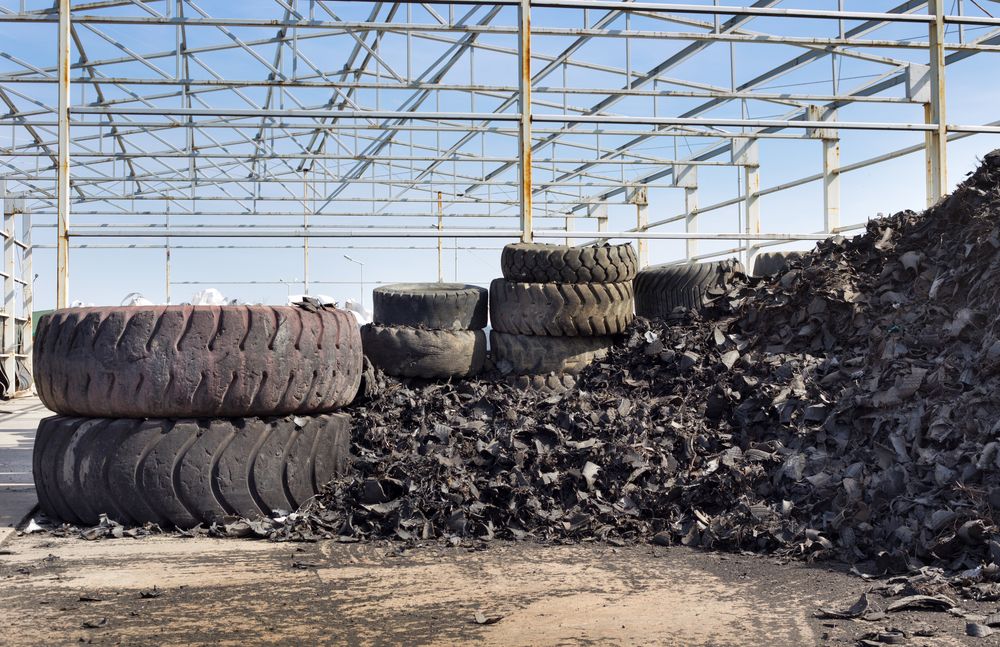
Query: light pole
point(362, 268)
point(288, 287)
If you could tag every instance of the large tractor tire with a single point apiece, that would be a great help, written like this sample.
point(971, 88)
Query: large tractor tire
point(538, 263)
point(557, 310)
point(442, 306)
point(196, 361)
point(662, 288)
point(183, 473)
point(427, 354)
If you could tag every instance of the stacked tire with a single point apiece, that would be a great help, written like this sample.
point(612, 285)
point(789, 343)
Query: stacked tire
point(427, 330)
point(662, 288)
point(187, 415)
point(557, 308)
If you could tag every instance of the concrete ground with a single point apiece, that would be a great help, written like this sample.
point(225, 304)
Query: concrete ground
point(18, 419)
point(239, 592)
point(168, 590)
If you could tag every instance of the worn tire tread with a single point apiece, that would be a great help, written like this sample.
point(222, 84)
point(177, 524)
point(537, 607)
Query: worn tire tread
point(541, 263)
point(560, 310)
point(426, 354)
point(441, 306)
point(196, 361)
point(187, 472)
point(662, 288)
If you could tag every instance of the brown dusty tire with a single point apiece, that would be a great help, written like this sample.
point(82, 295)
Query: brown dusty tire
point(441, 306)
point(560, 310)
point(530, 355)
point(538, 263)
point(428, 354)
point(544, 384)
point(196, 361)
point(661, 288)
point(184, 472)
point(771, 263)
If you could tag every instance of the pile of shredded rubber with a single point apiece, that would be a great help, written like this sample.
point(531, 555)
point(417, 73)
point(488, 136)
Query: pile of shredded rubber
point(847, 407)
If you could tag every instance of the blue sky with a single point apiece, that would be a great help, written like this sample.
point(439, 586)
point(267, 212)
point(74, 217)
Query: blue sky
point(103, 276)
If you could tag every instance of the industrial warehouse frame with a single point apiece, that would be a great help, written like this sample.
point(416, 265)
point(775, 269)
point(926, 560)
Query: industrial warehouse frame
point(442, 153)
point(18, 279)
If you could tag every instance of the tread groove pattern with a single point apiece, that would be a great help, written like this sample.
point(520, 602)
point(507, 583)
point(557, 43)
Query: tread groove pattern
point(662, 288)
point(560, 310)
point(186, 356)
point(427, 354)
point(179, 472)
point(541, 263)
point(440, 306)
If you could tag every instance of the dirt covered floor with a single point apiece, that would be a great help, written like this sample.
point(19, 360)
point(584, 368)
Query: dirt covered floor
point(174, 591)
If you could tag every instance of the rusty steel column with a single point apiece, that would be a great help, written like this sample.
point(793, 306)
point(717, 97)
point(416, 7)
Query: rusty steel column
point(62, 182)
point(936, 145)
point(524, 129)
point(440, 206)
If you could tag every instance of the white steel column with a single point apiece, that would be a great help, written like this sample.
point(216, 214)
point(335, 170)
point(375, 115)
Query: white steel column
point(440, 206)
point(934, 112)
point(524, 123)
point(746, 154)
point(569, 220)
point(27, 294)
point(639, 196)
point(601, 213)
point(62, 182)
point(830, 140)
point(686, 177)
point(9, 342)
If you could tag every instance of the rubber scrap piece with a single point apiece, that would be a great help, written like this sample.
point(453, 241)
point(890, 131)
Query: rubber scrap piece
point(771, 263)
point(530, 355)
point(427, 354)
point(550, 383)
point(182, 473)
point(196, 361)
point(443, 306)
point(661, 288)
point(560, 310)
point(540, 263)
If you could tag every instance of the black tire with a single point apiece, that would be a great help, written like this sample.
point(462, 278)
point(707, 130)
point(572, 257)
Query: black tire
point(771, 263)
point(545, 384)
point(661, 288)
point(441, 306)
point(182, 473)
point(530, 355)
point(538, 263)
point(557, 310)
point(196, 361)
point(427, 354)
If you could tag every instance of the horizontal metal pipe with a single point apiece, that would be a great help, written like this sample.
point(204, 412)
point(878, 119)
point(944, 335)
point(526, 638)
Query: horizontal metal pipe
point(606, 5)
point(536, 118)
point(624, 92)
point(105, 232)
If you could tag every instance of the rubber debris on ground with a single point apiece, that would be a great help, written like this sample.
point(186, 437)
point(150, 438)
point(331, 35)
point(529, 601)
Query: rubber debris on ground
point(845, 408)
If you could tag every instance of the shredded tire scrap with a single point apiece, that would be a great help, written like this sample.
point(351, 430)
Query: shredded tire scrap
point(846, 407)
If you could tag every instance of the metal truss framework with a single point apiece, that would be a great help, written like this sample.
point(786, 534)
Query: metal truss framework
point(315, 119)
point(18, 279)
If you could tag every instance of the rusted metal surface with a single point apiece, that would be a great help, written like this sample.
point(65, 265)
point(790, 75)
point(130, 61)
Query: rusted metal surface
point(524, 121)
point(62, 180)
